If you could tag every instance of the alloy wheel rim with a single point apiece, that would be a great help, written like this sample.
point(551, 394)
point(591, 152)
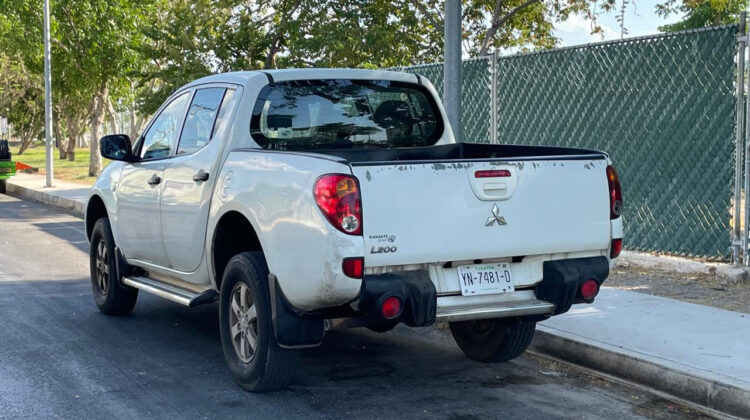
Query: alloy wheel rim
point(102, 268)
point(243, 323)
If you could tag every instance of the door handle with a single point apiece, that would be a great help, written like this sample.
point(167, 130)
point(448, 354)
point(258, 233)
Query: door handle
point(200, 176)
point(154, 180)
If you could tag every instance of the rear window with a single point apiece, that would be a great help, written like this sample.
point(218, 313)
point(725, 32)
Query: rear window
point(345, 114)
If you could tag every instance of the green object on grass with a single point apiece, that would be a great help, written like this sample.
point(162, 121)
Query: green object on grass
point(7, 166)
point(7, 169)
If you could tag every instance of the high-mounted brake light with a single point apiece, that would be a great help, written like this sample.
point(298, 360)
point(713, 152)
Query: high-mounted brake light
point(492, 173)
point(337, 196)
point(615, 193)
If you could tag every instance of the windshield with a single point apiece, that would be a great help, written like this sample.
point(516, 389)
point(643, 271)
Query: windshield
point(345, 114)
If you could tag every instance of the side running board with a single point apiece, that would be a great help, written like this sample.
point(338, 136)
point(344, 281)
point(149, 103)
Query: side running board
point(171, 292)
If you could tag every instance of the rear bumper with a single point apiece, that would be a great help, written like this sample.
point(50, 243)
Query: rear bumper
point(554, 295)
point(464, 308)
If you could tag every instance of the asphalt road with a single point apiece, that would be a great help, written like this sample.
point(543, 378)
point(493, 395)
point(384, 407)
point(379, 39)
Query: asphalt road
point(59, 357)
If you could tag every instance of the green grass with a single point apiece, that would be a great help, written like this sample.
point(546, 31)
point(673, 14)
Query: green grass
point(76, 171)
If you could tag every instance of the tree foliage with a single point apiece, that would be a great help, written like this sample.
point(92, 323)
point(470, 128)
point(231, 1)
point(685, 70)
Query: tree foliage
point(701, 13)
point(113, 56)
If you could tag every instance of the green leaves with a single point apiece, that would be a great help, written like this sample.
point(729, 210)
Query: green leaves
point(701, 13)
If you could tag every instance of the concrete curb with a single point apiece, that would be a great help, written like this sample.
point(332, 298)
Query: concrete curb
point(69, 204)
point(716, 392)
point(726, 272)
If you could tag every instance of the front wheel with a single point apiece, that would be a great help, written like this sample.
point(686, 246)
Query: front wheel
point(111, 296)
point(254, 357)
point(493, 340)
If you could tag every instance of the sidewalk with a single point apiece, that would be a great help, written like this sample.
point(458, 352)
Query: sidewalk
point(69, 195)
point(694, 352)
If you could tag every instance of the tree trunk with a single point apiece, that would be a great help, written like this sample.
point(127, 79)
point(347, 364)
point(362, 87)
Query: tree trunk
point(112, 118)
point(58, 137)
point(133, 132)
point(98, 105)
point(72, 123)
point(26, 139)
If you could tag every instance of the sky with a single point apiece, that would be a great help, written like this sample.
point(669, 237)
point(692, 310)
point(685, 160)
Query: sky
point(640, 20)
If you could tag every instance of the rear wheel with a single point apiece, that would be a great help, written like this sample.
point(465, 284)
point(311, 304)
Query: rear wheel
point(111, 296)
point(493, 340)
point(254, 357)
point(2, 186)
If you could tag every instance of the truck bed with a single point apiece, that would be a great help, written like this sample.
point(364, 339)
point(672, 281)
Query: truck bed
point(459, 151)
point(465, 202)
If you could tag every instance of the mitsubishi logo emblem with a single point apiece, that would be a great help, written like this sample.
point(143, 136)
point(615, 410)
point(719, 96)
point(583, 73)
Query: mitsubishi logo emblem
point(495, 217)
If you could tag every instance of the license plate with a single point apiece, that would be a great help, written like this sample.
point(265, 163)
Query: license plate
point(5, 170)
point(485, 279)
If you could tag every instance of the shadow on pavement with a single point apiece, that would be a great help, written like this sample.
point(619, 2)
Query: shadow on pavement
point(71, 232)
point(60, 357)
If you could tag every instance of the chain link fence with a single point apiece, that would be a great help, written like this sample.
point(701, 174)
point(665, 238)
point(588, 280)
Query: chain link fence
point(475, 94)
point(663, 107)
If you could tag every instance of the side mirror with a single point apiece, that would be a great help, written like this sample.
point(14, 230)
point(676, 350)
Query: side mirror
point(117, 147)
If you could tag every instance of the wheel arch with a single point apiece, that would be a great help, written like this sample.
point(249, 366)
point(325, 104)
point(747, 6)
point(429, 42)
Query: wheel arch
point(233, 234)
point(95, 209)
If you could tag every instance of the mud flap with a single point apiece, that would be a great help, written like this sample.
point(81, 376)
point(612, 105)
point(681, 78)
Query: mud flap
point(292, 328)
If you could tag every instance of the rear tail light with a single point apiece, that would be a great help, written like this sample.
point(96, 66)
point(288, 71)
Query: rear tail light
point(589, 289)
point(616, 248)
point(338, 197)
point(391, 307)
point(353, 267)
point(615, 193)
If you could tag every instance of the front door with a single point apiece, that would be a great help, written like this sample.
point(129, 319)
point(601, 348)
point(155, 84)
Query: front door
point(190, 176)
point(141, 185)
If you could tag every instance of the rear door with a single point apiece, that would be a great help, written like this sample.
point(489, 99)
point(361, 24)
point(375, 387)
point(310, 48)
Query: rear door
point(141, 185)
point(190, 176)
point(468, 210)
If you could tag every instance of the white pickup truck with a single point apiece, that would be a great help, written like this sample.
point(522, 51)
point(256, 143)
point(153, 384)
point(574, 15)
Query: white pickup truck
point(305, 200)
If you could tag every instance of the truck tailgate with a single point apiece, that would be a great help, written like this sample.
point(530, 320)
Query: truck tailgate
point(427, 212)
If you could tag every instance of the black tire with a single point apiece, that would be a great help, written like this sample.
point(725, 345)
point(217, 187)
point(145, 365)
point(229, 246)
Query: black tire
point(267, 366)
point(2, 186)
point(493, 340)
point(111, 296)
point(4, 150)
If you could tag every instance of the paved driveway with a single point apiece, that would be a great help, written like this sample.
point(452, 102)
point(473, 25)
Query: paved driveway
point(59, 357)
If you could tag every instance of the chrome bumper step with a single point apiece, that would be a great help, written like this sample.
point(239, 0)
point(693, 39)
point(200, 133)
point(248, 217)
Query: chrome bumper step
point(518, 303)
point(171, 292)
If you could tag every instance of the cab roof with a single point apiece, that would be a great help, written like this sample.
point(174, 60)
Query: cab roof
point(243, 77)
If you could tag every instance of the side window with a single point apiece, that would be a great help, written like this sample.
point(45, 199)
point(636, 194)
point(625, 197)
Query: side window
point(164, 131)
point(200, 121)
point(226, 106)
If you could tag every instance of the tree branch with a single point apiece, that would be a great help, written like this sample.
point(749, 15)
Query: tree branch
point(497, 22)
point(423, 9)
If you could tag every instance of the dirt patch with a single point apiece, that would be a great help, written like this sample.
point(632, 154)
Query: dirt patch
point(702, 289)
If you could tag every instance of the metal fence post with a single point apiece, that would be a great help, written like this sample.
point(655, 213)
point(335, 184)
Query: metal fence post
point(738, 242)
point(493, 97)
point(746, 187)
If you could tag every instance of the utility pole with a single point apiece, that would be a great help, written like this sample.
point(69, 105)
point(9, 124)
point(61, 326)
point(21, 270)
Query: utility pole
point(452, 66)
point(47, 97)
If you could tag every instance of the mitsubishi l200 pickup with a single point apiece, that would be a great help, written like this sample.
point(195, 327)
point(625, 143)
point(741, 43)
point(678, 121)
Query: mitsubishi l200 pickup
point(311, 199)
